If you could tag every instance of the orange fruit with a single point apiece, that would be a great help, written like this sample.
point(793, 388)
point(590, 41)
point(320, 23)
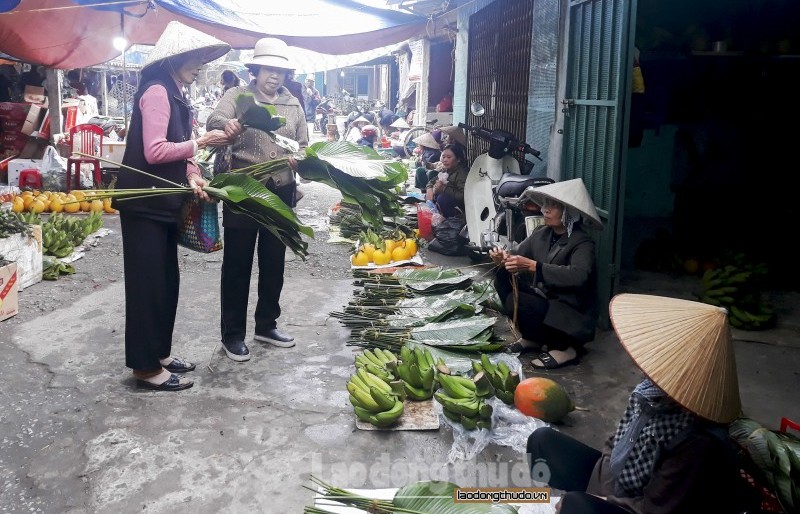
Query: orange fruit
point(18, 205)
point(96, 206)
point(71, 204)
point(56, 205)
point(411, 246)
point(85, 206)
point(400, 254)
point(37, 206)
point(359, 259)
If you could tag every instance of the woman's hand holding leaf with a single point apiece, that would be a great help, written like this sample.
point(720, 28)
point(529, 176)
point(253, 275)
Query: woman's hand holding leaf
point(233, 129)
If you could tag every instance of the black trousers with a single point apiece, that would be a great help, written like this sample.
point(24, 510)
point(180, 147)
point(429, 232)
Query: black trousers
point(565, 463)
point(531, 311)
point(152, 280)
point(237, 266)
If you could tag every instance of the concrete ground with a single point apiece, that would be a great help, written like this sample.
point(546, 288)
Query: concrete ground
point(77, 435)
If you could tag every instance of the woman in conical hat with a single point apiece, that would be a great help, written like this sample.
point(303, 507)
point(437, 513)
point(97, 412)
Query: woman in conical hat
point(159, 141)
point(670, 452)
point(554, 269)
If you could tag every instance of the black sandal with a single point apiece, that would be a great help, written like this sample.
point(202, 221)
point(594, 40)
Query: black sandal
point(549, 362)
point(179, 365)
point(173, 383)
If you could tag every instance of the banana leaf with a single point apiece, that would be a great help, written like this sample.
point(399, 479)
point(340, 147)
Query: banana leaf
point(245, 195)
point(434, 280)
point(454, 331)
point(437, 498)
point(259, 116)
point(362, 176)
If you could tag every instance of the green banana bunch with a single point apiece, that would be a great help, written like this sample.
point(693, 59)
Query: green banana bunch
point(736, 288)
point(417, 370)
point(471, 412)
point(56, 242)
point(502, 379)
point(373, 400)
point(376, 362)
point(52, 268)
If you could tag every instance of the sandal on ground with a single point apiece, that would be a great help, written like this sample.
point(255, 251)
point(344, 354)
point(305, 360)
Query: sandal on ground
point(519, 347)
point(549, 362)
point(179, 365)
point(173, 383)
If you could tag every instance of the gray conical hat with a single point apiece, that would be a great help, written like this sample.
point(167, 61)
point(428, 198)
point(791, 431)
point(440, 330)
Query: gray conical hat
point(685, 348)
point(428, 141)
point(179, 39)
point(571, 193)
point(360, 119)
point(400, 123)
point(455, 134)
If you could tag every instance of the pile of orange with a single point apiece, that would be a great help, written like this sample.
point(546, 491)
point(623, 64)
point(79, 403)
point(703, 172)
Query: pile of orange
point(52, 201)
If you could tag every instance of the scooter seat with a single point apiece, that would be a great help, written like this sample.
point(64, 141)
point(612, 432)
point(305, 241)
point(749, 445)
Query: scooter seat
point(512, 184)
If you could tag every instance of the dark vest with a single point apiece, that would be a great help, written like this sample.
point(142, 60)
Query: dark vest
point(161, 208)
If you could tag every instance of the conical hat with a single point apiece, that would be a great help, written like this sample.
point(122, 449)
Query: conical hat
point(400, 123)
point(360, 119)
point(571, 193)
point(685, 348)
point(455, 134)
point(179, 39)
point(428, 141)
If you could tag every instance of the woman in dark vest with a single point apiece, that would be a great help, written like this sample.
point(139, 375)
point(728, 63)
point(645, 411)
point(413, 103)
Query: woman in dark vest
point(159, 142)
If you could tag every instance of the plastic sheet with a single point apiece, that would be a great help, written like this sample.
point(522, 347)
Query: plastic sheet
point(510, 427)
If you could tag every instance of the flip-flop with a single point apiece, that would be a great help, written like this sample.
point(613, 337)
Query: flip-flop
point(551, 363)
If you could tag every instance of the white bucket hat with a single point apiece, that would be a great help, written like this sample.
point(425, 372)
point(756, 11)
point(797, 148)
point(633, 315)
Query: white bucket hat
point(180, 40)
point(272, 52)
point(573, 194)
point(685, 348)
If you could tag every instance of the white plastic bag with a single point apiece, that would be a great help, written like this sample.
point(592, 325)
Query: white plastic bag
point(54, 170)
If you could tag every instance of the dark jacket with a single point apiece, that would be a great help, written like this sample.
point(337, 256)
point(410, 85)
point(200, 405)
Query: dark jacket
point(695, 475)
point(167, 207)
point(567, 275)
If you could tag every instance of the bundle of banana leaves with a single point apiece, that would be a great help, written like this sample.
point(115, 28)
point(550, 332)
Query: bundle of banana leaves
point(417, 498)
point(242, 194)
point(776, 456)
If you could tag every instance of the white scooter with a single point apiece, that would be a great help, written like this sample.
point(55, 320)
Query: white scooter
point(497, 212)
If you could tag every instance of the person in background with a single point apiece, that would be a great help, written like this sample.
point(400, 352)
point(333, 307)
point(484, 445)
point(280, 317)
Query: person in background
point(75, 82)
point(454, 135)
point(354, 132)
point(555, 272)
point(427, 160)
point(159, 141)
point(229, 80)
point(270, 65)
point(446, 188)
point(296, 89)
point(369, 134)
point(311, 97)
point(670, 452)
point(446, 103)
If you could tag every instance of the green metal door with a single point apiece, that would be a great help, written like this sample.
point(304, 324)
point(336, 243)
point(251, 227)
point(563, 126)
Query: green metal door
point(597, 85)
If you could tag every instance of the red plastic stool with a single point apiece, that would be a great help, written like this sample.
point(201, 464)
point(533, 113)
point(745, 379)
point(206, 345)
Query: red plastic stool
point(30, 178)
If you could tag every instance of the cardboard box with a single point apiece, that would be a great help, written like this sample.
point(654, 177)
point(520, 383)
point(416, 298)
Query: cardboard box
point(27, 253)
point(14, 111)
point(9, 291)
point(114, 151)
point(34, 95)
point(15, 166)
point(33, 121)
point(14, 141)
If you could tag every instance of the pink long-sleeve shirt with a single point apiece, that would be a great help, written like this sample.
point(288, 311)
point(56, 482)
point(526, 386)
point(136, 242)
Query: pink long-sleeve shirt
point(154, 105)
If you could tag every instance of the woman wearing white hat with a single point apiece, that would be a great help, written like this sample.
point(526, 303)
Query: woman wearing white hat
point(270, 65)
point(354, 132)
point(556, 303)
point(670, 452)
point(159, 141)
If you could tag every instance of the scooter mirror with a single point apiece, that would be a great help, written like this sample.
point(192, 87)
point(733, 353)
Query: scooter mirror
point(476, 109)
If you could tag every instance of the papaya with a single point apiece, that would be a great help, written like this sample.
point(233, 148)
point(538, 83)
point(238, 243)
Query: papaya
point(543, 398)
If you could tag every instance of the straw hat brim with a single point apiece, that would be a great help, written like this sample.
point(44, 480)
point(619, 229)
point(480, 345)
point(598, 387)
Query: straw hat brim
point(456, 134)
point(571, 193)
point(400, 123)
point(428, 141)
point(685, 348)
point(360, 119)
point(179, 40)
